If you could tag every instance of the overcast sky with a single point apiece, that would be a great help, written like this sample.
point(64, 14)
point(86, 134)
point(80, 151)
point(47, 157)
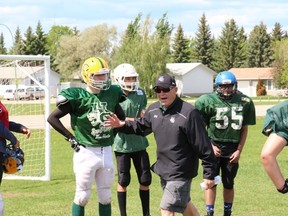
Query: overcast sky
point(120, 13)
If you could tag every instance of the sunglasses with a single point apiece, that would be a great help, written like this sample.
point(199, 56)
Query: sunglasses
point(164, 90)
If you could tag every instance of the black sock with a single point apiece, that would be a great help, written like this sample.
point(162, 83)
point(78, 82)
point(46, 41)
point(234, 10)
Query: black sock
point(122, 202)
point(145, 200)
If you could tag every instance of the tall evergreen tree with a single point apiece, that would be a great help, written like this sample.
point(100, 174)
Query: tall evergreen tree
point(203, 43)
point(180, 47)
point(230, 50)
point(18, 47)
point(29, 43)
point(3, 50)
point(40, 40)
point(259, 47)
point(277, 32)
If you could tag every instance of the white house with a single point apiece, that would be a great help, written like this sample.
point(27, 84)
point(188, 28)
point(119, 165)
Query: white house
point(192, 79)
point(248, 78)
point(10, 76)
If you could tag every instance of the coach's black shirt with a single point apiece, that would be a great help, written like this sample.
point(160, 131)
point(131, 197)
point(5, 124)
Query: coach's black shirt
point(181, 140)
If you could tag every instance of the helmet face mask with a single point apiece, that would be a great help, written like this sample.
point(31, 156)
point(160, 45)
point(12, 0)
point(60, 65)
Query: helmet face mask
point(226, 85)
point(127, 77)
point(92, 69)
point(13, 160)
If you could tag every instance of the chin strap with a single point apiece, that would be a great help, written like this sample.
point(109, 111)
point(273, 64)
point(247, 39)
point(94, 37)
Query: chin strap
point(285, 187)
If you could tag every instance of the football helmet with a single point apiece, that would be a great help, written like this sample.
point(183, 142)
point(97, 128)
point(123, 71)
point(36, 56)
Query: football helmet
point(96, 66)
point(225, 78)
point(126, 70)
point(13, 160)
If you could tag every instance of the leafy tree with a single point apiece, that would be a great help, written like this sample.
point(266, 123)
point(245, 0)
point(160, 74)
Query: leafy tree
point(180, 47)
point(281, 64)
point(3, 50)
point(53, 38)
point(163, 27)
point(73, 50)
point(203, 43)
point(259, 47)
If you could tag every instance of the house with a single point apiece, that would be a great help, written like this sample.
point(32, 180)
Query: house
point(248, 78)
point(192, 79)
point(26, 76)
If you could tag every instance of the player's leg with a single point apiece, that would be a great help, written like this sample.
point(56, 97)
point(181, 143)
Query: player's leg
point(84, 164)
point(191, 210)
point(104, 181)
point(142, 166)
point(210, 194)
point(271, 149)
point(229, 172)
point(123, 168)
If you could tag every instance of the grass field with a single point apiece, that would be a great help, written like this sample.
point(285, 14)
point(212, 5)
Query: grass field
point(254, 193)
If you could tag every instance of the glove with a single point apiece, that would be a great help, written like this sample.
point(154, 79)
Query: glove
point(74, 144)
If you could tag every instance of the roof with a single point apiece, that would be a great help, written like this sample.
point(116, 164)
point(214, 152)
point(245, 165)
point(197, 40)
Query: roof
point(9, 72)
point(183, 68)
point(253, 73)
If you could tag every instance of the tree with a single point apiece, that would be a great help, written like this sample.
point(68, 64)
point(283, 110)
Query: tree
point(40, 40)
point(73, 50)
point(231, 47)
point(180, 47)
point(29, 45)
point(260, 88)
point(52, 42)
point(259, 47)
point(203, 43)
point(3, 50)
point(281, 63)
point(18, 46)
point(277, 32)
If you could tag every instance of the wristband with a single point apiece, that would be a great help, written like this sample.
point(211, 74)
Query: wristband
point(285, 187)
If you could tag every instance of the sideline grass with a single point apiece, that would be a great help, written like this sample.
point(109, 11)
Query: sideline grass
point(254, 193)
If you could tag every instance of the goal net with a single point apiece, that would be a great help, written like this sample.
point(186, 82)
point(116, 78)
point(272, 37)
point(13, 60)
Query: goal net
point(25, 91)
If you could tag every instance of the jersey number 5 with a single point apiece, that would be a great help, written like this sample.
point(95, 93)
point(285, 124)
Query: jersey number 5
point(223, 113)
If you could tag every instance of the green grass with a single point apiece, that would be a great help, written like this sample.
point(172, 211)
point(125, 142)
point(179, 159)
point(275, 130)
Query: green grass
point(254, 193)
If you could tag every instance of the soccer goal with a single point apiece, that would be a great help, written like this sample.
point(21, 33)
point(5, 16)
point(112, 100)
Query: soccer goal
point(22, 78)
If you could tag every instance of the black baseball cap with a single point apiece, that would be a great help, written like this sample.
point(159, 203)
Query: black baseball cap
point(165, 81)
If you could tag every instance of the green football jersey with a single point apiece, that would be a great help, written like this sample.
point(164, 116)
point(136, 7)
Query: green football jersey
point(276, 120)
point(225, 119)
point(135, 102)
point(89, 113)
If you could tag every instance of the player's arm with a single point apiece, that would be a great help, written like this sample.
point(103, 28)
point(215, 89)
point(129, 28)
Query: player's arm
point(7, 134)
point(236, 155)
point(19, 128)
point(54, 119)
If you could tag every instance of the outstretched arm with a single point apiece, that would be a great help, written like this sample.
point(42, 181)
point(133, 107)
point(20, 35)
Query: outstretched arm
point(113, 121)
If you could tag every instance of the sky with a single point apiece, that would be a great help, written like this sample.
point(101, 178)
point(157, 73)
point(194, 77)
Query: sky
point(88, 13)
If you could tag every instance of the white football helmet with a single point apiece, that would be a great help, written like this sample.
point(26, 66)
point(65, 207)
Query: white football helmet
point(126, 70)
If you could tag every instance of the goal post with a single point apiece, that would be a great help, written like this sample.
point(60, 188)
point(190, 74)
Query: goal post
point(19, 73)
